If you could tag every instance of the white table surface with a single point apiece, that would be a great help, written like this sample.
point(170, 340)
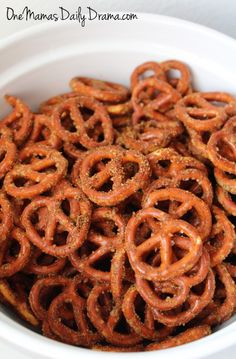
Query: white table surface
point(218, 14)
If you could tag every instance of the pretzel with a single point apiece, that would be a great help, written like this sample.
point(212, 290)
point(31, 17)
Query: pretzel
point(43, 264)
point(225, 199)
point(106, 324)
point(43, 133)
point(196, 303)
point(227, 101)
point(37, 158)
point(76, 223)
point(189, 335)
point(49, 105)
point(122, 187)
point(180, 203)
point(101, 90)
point(6, 217)
point(176, 291)
point(153, 107)
point(172, 161)
point(7, 151)
point(19, 120)
point(16, 298)
point(225, 180)
point(222, 150)
point(160, 239)
point(81, 125)
point(107, 244)
point(83, 335)
point(224, 310)
point(40, 288)
point(149, 135)
point(196, 182)
point(182, 84)
point(144, 328)
point(9, 265)
point(196, 112)
point(139, 72)
point(222, 237)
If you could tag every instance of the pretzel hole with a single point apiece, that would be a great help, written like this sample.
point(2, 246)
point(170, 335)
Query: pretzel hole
point(47, 294)
point(105, 228)
point(66, 316)
point(146, 74)
point(130, 169)
point(191, 217)
point(122, 326)
point(192, 186)
point(20, 181)
point(105, 303)
point(60, 238)
point(103, 263)
point(2, 155)
point(13, 250)
point(67, 122)
point(205, 136)
point(107, 186)
point(164, 163)
point(45, 259)
point(225, 150)
point(203, 117)
point(154, 258)
point(139, 305)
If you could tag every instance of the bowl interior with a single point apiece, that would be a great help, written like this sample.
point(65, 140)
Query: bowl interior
point(38, 64)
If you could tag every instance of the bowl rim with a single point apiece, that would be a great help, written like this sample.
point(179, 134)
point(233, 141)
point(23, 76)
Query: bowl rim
point(30, 342)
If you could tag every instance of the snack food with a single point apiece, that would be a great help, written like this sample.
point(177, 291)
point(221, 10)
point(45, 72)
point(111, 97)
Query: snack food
point(117, 211)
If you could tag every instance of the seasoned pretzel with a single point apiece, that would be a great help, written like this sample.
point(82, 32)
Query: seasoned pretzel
point(225, 199)
point(223, 311)
point(161, 239)
point(16, 298)
point(183, 82)
point(175, 291)
point(19, 120)
point(199, 114)
point(177, 203)
point(188, 336)
point(225, 180)
point(227, 101)
point(7, 151)
point(222, 150)
point(75, 224)
point(122, 187)
point(139, 72)
point(101, 90)
point(43, 264)
point(6, 217)
point(145, 328)
point(82, 335)
point(106, 324)
point(196, 303)
point(106, 243)
point(41, 288)
point(167, 162)
point(81, 127)
point(42, 169)
point(222, 237)
point(43, 132)
point(48, 106)
point(152, 106)
point(9, 264)
point(149, 135)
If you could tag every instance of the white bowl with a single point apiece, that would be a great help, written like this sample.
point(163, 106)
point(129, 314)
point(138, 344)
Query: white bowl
point(38, 63)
